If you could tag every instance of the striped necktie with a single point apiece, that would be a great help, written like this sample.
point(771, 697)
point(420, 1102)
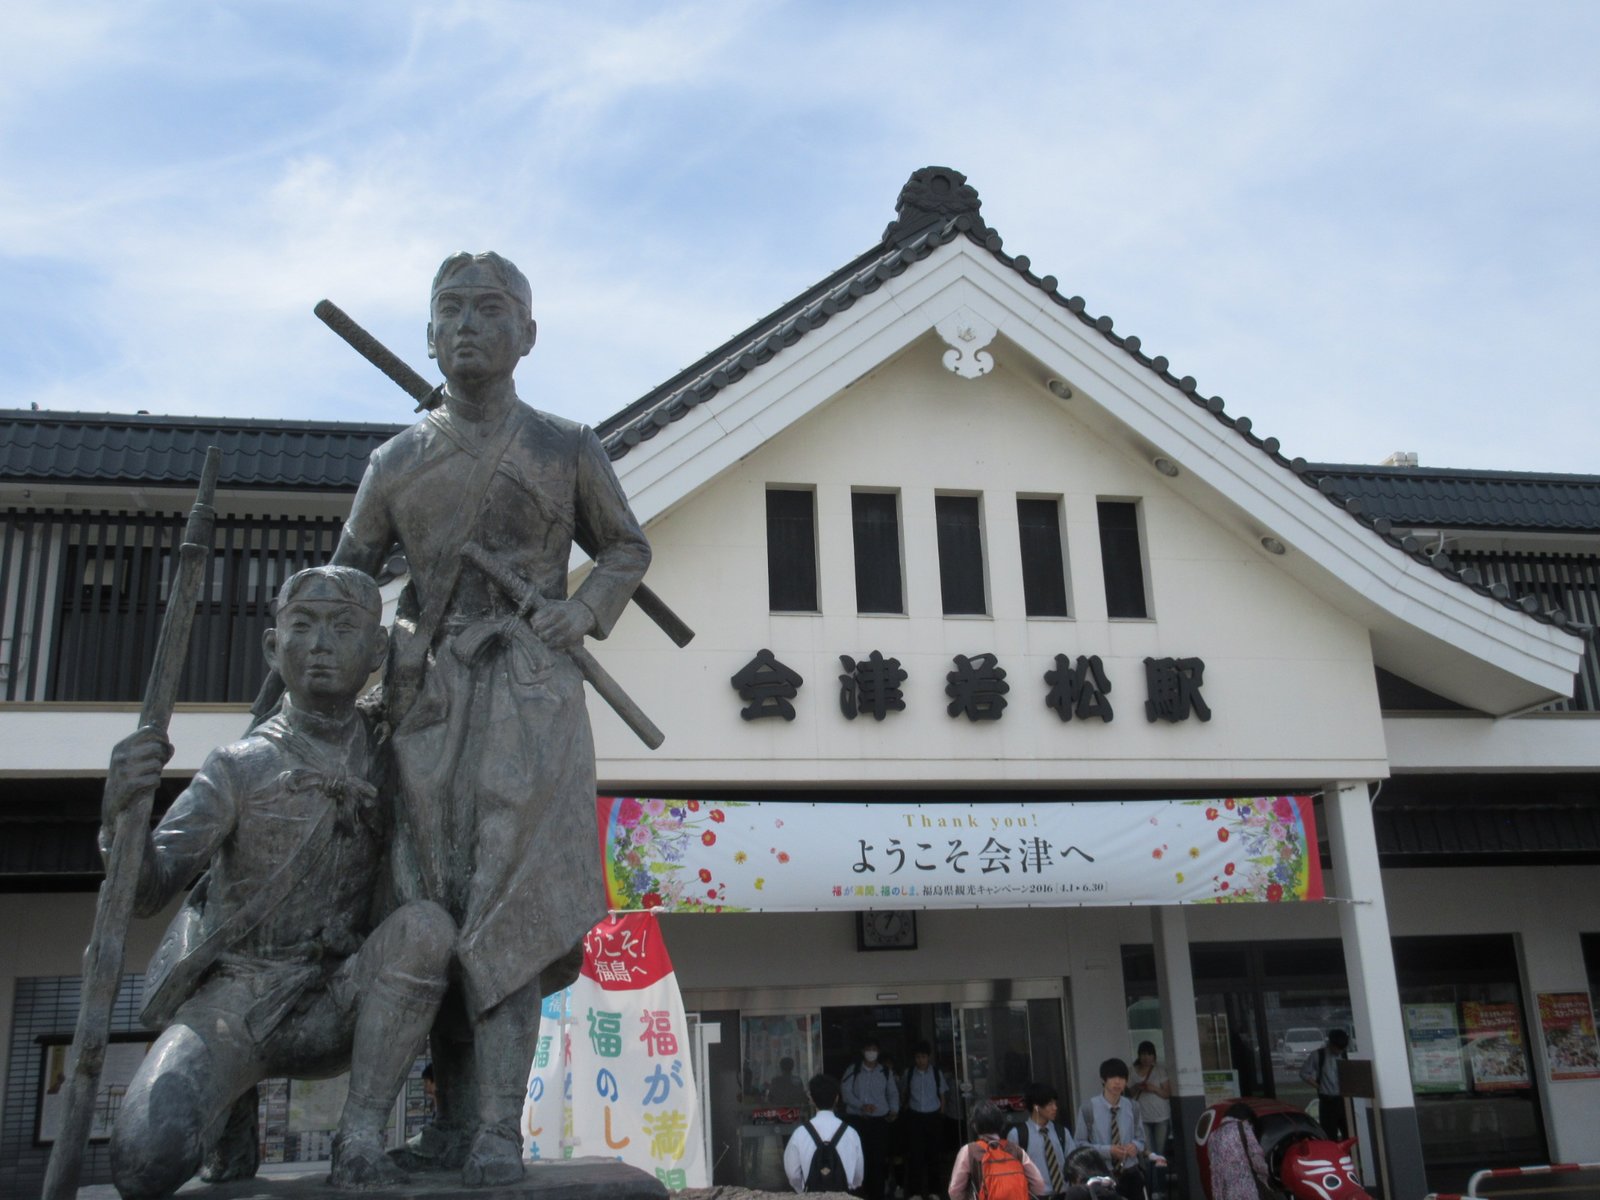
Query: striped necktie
point(1116, 1131)
point(1052, 1160)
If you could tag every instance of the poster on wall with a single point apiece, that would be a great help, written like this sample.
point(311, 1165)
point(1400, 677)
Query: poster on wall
point(1570, 1047)
point(123, 1056)
point(618, 1045)
point(1433, 1040)
point(316, 1104)
point(772, 856)
point(1219, 1085)
point(1494, 1046)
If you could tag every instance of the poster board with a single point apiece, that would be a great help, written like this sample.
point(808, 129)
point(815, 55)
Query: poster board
point(1495, 1053)
point(1567, 1021)
point(124, 1053)
point(1433, 1044)
point(1219, 1085)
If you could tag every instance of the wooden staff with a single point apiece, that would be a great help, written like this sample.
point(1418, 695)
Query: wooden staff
point(103, 960)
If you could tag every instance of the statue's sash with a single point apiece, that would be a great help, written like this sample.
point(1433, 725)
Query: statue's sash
point(408, 654)
point(185, 955)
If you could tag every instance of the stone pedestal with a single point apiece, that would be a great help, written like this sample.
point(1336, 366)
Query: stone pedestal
point(571, 1179)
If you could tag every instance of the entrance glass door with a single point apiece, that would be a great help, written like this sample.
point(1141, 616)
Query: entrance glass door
point(989, 1038)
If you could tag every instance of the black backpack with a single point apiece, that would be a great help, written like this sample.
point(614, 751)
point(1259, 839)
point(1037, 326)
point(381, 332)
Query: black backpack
point(827, 1168)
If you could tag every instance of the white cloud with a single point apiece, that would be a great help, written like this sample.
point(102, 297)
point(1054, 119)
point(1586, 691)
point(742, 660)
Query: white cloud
point(1355, 223)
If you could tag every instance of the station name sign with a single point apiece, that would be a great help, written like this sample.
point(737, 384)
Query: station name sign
point(722, 856)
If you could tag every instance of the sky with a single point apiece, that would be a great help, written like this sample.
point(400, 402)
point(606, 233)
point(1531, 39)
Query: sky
point(1370, 227)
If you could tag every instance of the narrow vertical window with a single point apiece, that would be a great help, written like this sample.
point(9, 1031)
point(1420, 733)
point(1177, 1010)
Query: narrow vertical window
point(876, 520)
point(960, 555)
point(791, 550)
point(1044, 575)
point(1122, 558)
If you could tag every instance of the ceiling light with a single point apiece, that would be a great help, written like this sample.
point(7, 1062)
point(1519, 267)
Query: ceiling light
point(1166, 466)
point(1273, 546)
point(1060, 388)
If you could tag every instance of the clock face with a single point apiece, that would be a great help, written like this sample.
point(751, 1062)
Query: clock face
point(887, 929)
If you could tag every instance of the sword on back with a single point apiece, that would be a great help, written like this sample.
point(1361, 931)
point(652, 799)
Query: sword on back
point(528, 600)
point(429, 396)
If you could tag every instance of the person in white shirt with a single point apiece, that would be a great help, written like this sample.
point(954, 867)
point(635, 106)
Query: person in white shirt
point(1321, 1071)
point(797, 1155)
point(1151, 1089)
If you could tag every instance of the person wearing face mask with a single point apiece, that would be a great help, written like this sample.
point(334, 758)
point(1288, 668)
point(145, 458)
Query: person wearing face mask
point(871, 1101)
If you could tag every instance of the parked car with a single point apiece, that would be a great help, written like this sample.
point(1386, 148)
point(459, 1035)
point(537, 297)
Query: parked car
point(1296, 1043)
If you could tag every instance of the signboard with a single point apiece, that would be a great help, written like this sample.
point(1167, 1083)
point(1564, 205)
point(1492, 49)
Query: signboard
point(775, 856)
point(611, 1073)
point(1433, 1040)
point(124, 1053)
point(1220, 1086)
point(1570, 1048)
point(1494, 1046)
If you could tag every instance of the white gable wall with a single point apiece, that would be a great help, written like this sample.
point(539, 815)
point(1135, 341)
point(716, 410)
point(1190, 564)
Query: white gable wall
point(1288, 677)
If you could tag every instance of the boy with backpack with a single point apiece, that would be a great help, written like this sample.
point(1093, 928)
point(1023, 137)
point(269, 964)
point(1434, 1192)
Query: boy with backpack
point(1044, 1137)
point(991, 1168)
point(824, 1154)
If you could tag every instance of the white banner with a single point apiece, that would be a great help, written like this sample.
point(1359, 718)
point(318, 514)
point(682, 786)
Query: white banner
point(776, 856)
point(612, 1068)
point(547, 1115)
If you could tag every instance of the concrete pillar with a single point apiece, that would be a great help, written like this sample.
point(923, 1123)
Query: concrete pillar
point(1374, 990)
point(1551, 960)
point(1175, 982)
point(1099, 1001)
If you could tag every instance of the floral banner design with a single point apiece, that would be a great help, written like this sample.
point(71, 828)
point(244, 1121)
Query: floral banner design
point(785, 856)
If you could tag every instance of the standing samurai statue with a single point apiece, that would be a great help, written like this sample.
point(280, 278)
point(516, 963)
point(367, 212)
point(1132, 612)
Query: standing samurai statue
point(495, 803)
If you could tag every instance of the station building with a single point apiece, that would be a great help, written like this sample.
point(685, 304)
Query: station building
point(941, 457)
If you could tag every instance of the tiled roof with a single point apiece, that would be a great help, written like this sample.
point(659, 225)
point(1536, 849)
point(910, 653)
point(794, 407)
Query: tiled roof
point(1492, 500)
point(1546, 831)
point(111, 448)
point(936, 206)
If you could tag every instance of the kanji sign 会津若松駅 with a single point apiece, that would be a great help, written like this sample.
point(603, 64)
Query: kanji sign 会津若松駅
point(872, 686)
point(680, 855)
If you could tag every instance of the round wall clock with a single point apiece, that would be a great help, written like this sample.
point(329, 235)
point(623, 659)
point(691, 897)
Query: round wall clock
point(886, 929)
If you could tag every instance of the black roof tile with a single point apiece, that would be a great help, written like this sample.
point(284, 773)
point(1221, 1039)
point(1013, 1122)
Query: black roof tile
point(38, 447)
point(1524, 501)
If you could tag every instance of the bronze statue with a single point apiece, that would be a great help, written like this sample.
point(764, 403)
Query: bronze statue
point(273, 966)
point(495, 785)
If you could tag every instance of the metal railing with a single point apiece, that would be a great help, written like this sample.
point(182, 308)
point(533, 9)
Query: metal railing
point(1585, 1174)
